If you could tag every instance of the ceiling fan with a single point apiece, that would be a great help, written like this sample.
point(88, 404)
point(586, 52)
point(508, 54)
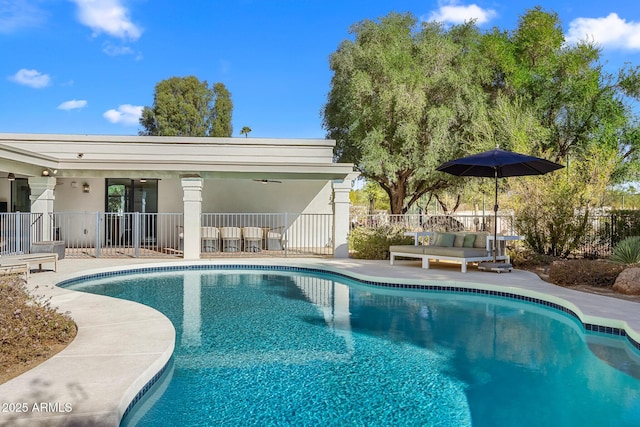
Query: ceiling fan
point(266, 181)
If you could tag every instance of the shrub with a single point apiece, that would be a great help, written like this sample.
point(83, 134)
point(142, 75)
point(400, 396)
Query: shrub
point(584, 272)
point(30, 329)
point(374, 242)
point(627, 251)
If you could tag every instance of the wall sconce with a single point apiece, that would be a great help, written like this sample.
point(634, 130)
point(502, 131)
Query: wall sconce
point(11, 176)
point(86, 188)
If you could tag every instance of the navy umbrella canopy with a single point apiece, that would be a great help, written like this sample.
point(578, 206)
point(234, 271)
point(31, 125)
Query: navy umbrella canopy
point(498, 163)
point(505, 163)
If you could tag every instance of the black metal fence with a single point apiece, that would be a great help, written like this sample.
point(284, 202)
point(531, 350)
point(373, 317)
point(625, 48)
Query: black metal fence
point(599, 238)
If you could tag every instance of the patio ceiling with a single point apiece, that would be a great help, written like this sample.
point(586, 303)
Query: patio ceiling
point(169, 157)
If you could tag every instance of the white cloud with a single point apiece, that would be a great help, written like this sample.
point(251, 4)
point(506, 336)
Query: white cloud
point(17, 14)
point(32, 78)
point(113, 50)
point(126, 114)
point(611, 31)
point(451, 12)
point(107, 16)
point(74, 104)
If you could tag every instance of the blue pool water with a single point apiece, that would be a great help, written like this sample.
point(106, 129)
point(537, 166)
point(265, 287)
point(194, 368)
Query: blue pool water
point(277, 348)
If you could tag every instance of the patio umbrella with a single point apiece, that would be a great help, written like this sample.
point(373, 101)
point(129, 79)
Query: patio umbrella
point(498, 163)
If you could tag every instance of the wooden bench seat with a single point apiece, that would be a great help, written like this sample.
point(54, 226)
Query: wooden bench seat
point(24, 263)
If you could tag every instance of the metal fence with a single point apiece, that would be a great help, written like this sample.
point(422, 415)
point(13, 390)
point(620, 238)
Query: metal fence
point(267, 234)
point(153, 235)
point(601, 234)
point(421, 222)
point(18, 230)
point(103, 234)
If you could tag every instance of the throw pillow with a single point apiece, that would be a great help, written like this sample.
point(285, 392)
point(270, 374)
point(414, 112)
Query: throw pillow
point(459, 240)
point(481, 240)
point(469, 239)
point(447, 239)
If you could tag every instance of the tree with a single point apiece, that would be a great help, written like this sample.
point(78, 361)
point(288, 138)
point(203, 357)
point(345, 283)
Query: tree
point(403, 100)
point(556, 100)
point(222, 111)
point(246, 130)
point(184, 106)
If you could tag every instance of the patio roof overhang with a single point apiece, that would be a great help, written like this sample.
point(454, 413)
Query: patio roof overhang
point(170, 157)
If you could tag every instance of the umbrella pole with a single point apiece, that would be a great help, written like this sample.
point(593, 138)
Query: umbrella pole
point(495, 220)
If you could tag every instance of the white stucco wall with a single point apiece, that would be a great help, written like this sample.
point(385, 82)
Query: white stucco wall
point(235, 196)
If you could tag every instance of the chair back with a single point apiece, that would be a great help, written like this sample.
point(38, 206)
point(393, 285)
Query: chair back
point(252, 233)
point(209, 232)
point(230, 232)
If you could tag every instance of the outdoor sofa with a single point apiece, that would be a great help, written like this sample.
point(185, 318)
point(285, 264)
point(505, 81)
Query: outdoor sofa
point(463, 247)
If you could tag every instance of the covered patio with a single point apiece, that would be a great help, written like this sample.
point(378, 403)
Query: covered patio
point(133, 196)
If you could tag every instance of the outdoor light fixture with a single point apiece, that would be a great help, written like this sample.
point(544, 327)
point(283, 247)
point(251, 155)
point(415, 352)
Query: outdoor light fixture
point(86, 188)
point(11, 176)
point(143, 180)
point(47, 172)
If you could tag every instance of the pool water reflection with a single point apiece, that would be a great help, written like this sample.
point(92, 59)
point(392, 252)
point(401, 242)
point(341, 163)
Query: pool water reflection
point(278, 348)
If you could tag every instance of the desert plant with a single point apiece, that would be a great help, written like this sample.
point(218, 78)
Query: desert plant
point(374, 242)
point(627, 251)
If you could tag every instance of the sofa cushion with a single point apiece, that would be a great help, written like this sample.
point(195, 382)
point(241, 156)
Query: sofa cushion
point(459, 240)
point(445, 239)
point(469, 239)
point(410, 249)
point(481, 240)
point(455, 252)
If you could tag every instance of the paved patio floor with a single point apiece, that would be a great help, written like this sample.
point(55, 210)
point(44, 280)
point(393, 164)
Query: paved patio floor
point(121, 344)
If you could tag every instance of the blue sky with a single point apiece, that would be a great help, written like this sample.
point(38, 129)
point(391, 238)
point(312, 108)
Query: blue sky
point(88, 66)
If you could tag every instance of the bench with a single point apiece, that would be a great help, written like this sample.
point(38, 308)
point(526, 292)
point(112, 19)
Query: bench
point(15, 268)
point(463, 247)
point(23, 263)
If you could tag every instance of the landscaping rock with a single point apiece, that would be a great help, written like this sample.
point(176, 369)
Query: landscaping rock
point(628, 281)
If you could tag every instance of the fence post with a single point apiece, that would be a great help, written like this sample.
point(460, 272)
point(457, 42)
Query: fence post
point(97, 241)
point(18, 231)
point(285, 235)
point(136, 234)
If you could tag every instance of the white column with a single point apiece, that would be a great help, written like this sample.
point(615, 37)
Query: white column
point(341, 204)
point(192, 199)
point(42, 197)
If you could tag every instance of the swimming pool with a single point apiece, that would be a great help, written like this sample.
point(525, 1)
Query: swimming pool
point(291, 348)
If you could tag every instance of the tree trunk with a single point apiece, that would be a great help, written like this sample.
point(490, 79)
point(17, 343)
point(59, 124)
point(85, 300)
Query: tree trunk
point(396, 200)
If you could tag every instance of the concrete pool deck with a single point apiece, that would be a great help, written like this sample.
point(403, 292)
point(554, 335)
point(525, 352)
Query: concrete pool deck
point(121, 345)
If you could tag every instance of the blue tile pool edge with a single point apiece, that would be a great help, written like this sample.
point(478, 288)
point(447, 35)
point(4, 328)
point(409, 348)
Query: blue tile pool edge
point(468, 289)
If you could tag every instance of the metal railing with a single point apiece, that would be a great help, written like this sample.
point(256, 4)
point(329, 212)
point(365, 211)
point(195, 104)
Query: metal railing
point(281, 234)
point(103, 234)
point(418, 222)
point(18, 230)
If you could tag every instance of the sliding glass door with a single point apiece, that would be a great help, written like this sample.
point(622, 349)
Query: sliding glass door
point(124, 197)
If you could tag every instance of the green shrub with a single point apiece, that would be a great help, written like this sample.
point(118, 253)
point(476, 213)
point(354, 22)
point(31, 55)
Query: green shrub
point(373, 243)
point(627, 251)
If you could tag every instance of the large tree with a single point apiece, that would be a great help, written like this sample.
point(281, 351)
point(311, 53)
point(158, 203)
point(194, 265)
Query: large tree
point(404, 99)
point(186, 106)
point(556, 99)
point(222, 111)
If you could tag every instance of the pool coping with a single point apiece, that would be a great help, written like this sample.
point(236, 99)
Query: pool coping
point(143, 339)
